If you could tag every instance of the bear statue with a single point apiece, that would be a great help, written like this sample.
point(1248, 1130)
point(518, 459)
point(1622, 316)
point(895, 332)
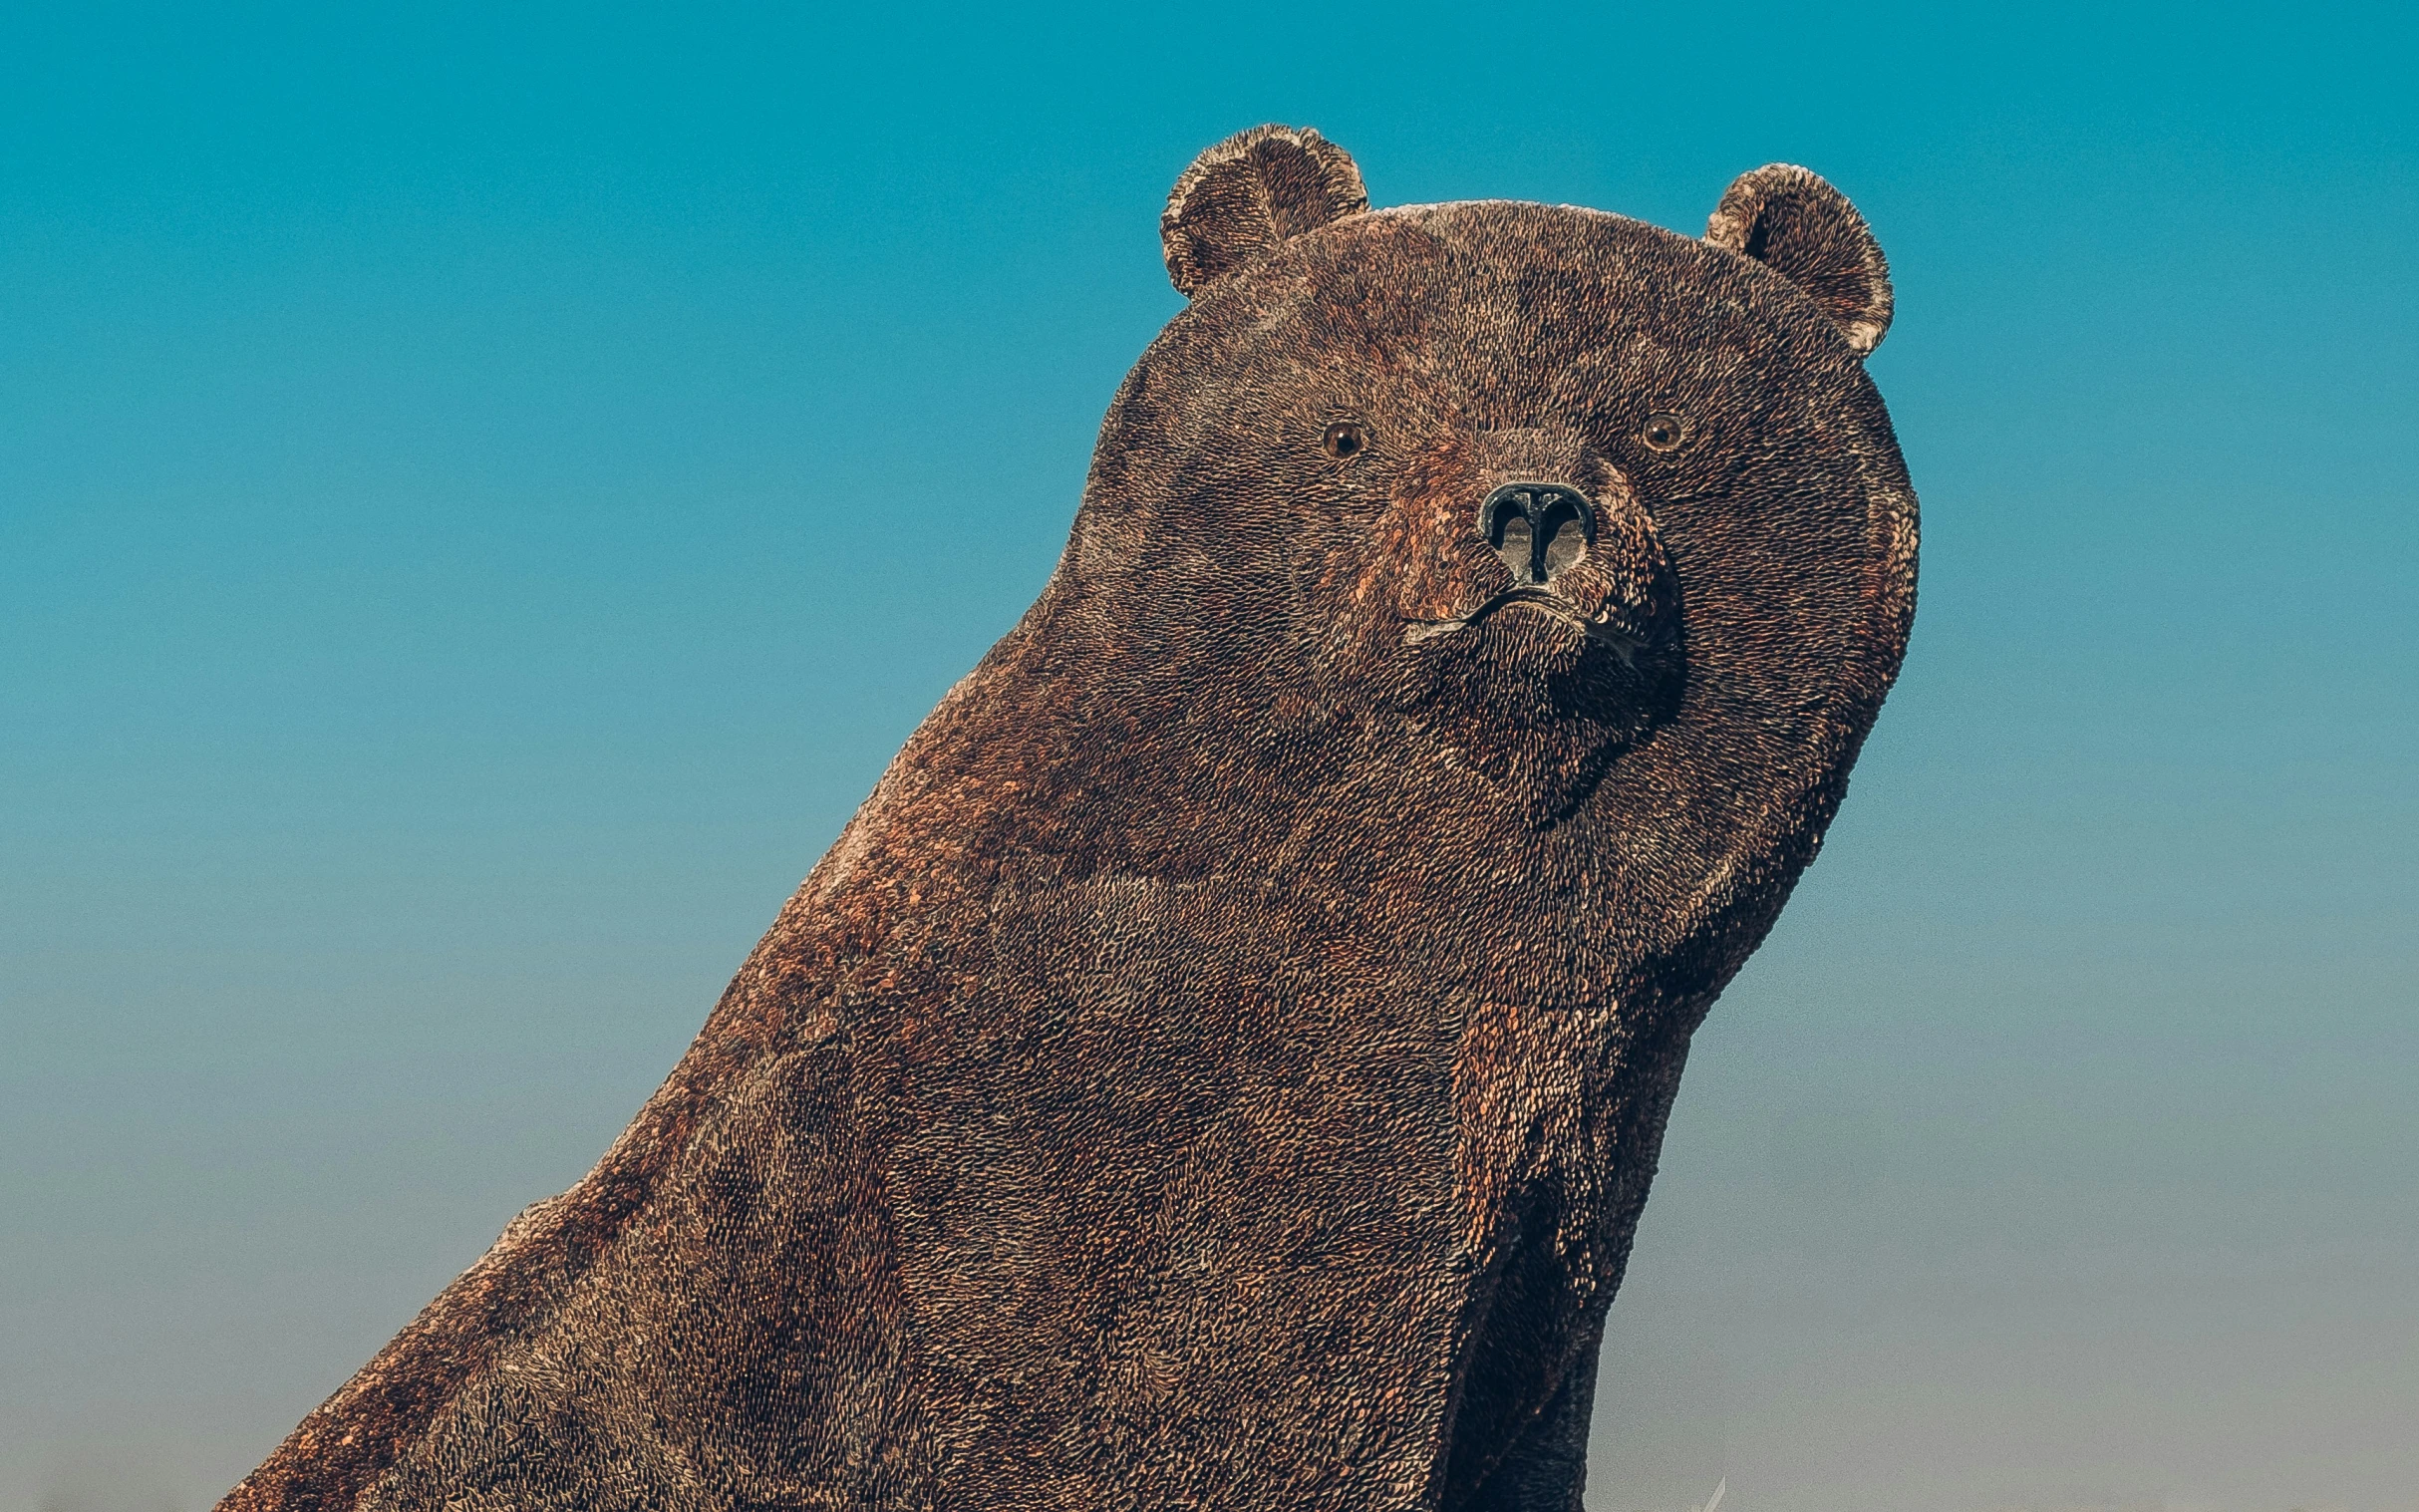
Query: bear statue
point(1222, 1063)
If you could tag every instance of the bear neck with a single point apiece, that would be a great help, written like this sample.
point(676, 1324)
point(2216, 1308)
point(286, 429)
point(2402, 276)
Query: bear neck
point(1076, 757)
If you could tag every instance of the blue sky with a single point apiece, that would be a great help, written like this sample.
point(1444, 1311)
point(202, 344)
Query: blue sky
point(440, 618)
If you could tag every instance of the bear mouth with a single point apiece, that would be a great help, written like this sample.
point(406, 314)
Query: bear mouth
point(1602, 627)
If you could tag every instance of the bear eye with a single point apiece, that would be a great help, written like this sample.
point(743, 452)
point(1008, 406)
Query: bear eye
point(1664, 433)
point(1344, 441)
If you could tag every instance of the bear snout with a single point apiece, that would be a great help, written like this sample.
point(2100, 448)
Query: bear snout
point(1589, 557)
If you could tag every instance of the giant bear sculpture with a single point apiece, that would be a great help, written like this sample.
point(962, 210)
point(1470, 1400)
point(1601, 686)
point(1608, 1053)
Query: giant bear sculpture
point(1222, 1063)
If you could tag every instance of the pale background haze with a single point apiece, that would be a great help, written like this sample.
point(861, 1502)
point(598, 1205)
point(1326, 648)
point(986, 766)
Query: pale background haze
point(454, 580)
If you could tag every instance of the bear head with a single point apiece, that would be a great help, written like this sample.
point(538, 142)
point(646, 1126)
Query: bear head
point(1525, 479)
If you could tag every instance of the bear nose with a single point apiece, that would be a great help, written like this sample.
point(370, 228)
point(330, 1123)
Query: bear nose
point(1537, 528)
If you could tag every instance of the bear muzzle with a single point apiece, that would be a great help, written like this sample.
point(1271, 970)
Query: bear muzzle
point(1594, 563)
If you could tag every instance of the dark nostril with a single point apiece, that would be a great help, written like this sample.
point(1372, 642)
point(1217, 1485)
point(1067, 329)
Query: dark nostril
point(1538, 529)
point(1516, 543)
point(1504, 508)
point(1566, 536)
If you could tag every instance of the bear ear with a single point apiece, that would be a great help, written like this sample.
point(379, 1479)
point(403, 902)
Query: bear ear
point(1802, 229)
point(1250, 193)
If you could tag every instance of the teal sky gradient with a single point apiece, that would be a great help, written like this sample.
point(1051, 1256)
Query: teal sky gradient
point(448, 597)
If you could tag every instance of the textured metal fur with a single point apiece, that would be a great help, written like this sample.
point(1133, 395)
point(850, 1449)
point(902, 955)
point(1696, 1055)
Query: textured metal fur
point(1222, 1063)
